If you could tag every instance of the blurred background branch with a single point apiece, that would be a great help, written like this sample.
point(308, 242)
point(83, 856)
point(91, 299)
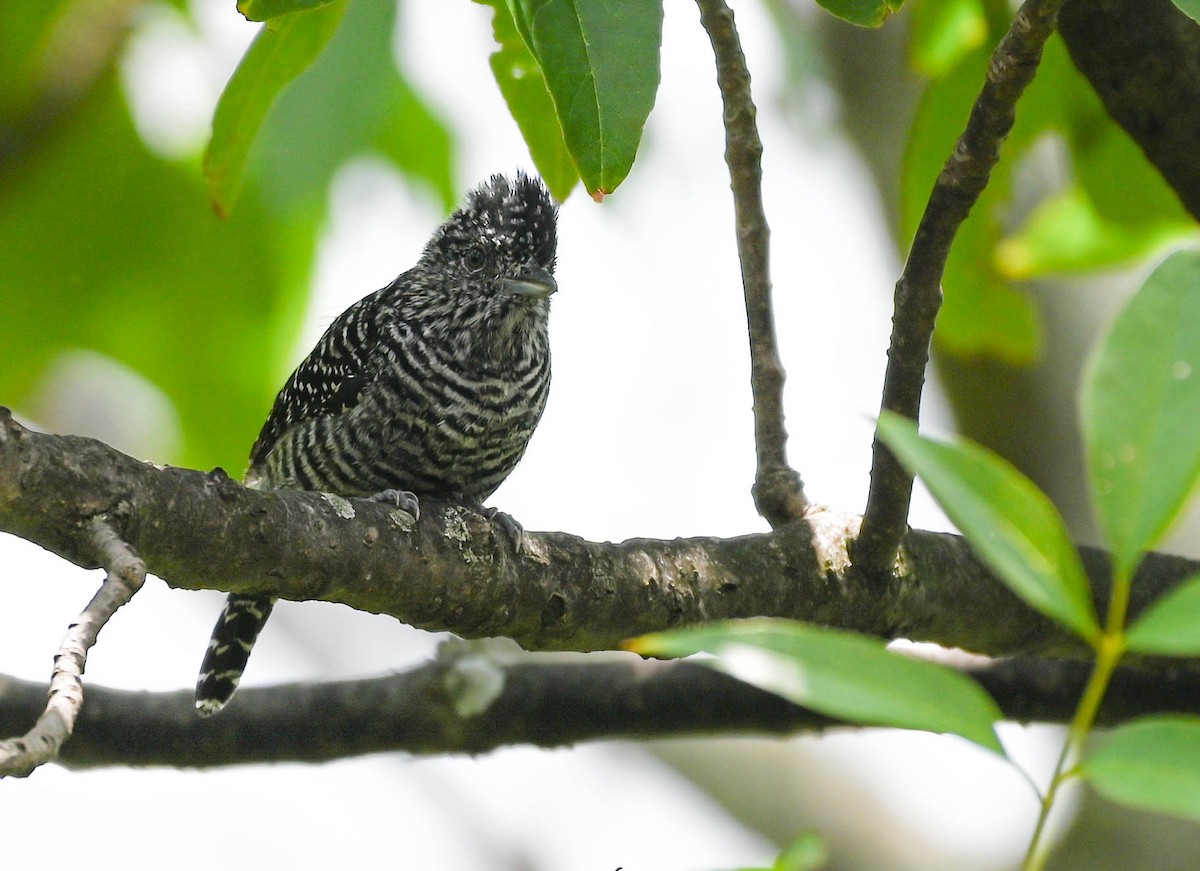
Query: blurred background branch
point(475, 699)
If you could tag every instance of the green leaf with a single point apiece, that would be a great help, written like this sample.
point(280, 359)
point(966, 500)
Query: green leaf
point(1190, 8)
point(524, 89)
point(840, 674)
point(276, 56)
point(1170, 626)
point(1152, 763)
point(808, 852)
point(262, 10)
point(1009, 522)
point(944, 32)
point(1067, 233)
point(601, 63)
point(1139, 411)
point(865, 13)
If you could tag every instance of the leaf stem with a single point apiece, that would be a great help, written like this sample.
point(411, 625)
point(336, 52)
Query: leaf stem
point(1110, 647)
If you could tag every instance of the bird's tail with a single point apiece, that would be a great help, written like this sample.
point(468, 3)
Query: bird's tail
point(229, 650)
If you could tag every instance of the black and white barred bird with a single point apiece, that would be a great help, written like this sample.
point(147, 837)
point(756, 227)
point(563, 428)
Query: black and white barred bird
point(430, 387)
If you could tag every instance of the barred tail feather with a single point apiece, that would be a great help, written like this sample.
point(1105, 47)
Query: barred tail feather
point(229, 650)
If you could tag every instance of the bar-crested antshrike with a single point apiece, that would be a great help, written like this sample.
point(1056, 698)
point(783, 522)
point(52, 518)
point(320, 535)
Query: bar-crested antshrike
point(428, 388)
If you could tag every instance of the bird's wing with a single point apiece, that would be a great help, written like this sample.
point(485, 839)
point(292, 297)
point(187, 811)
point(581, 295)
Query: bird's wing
point(328, 382)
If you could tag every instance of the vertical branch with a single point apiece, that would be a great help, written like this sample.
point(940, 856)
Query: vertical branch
point(126, 573)
point(778, 490)
point(918, 292)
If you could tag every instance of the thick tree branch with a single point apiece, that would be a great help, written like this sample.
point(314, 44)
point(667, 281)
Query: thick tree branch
point(126, 573)
point(1143, 59)
point(454, 571)
point(778, 490)
point(918, 295)
point(473, 702)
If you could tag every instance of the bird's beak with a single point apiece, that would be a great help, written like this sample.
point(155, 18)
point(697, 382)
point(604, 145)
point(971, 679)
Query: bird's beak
point(532, 282)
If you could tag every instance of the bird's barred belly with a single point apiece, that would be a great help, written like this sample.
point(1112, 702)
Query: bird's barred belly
point(464, 451)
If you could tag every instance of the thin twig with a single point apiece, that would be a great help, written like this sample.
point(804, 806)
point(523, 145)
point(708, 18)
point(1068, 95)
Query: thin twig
point(778, 490)
point(918, 292)
point(126, 573)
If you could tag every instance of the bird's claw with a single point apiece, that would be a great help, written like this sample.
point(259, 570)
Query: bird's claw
point(402, 499)
point(514, 530)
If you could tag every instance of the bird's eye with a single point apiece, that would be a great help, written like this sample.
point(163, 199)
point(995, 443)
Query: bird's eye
point(475, 259)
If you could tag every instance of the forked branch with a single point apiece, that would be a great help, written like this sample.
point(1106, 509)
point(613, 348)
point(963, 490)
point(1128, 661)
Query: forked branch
point(918, 292)
point(126, 574)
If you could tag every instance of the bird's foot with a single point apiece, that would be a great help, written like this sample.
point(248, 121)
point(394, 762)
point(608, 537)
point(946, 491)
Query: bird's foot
point(514, 530)
point(402, 499)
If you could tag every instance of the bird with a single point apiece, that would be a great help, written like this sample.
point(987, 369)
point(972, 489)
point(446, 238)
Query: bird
point(429, 388)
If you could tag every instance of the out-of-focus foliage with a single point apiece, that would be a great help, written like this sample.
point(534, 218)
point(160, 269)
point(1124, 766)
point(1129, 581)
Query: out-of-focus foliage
point(261, 10)
point(943, 33)
point(107, 246)
point(808, 852)
point(865, 13)
point(352, 101)
point(277, 55)
point(1114, 207)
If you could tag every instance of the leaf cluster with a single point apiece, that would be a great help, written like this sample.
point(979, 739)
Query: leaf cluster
point(1142, 438)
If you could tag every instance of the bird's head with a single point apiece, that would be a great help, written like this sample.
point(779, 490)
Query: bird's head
point(495, 255)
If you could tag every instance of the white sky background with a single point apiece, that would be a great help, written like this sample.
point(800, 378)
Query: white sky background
point(648, 433)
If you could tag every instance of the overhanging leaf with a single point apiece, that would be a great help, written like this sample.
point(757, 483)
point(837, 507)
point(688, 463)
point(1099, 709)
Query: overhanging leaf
point(1140, 405)
point(276, 56)
point(1007, 520)
point(839, 674)
point(601, 63)
point(1152, 764)
point(524, 89)
point(262, 10)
